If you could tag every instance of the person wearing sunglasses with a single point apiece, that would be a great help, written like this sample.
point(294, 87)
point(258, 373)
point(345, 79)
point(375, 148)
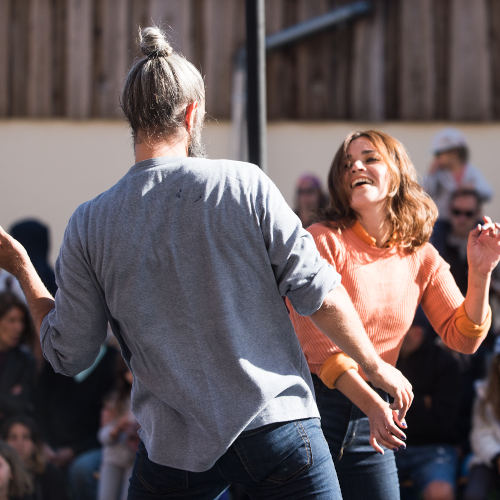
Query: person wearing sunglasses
point(465, 209)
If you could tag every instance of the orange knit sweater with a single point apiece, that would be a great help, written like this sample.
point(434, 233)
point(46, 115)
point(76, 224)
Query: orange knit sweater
point(386, 285)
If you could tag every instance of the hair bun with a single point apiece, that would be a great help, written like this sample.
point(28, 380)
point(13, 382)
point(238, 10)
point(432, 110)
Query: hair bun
point(154, 43)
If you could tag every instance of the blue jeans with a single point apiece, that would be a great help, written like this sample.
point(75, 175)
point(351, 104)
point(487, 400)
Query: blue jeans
point(424, 464)
point(287, 460)
point(83, 475)
point(363, 473)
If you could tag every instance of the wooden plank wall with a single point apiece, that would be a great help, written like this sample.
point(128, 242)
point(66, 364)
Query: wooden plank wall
point(408, 60)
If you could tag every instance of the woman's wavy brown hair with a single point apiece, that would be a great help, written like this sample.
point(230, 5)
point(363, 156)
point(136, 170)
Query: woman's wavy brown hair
point(36, 463)
point(21, 483)
point(411, 212)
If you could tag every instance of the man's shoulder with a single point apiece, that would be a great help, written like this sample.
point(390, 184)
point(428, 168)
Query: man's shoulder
point(224, 167)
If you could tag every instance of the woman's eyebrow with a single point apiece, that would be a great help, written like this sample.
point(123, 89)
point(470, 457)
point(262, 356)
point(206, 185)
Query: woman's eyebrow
point(364, 152)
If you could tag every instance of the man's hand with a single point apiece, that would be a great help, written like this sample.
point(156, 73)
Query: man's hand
point(392, 381)
point(15, 260)
point(13, 256)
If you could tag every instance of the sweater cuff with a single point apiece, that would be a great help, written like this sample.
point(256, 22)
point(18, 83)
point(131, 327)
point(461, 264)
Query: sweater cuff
point(334, 367)
point(467, 327)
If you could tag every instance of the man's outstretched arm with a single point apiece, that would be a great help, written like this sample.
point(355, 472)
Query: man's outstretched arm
point(339, 320)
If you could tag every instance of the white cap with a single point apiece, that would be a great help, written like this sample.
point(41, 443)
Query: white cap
point(446, 139)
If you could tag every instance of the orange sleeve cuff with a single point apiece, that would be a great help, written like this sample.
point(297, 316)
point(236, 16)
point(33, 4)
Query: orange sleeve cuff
point(467, 327)
point(334, 367)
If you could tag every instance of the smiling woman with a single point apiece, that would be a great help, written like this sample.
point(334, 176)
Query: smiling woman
point(17, 365)
point(397, 202)
point(376, 234)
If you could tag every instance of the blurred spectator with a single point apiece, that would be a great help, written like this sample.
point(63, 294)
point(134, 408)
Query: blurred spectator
point(310, 199)
point(450, 237)
point(451, 170)
point(15, 482)
point(430, 459)
point(118, 435)
point(21, 433)
point(9, 283)
point(34, 236)
point(69, 410)
point(485, 436)
point(17, 364)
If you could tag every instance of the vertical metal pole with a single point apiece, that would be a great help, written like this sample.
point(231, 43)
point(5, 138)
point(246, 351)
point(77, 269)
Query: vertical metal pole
point(256, 82)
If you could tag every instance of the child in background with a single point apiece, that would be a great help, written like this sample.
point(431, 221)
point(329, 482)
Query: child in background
point(21, 433)
point(118, 435)
point(485, 436)
point(15, 482)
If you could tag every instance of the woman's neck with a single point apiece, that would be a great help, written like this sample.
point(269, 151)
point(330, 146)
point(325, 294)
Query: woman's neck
point(375, 223)
point(4, 493)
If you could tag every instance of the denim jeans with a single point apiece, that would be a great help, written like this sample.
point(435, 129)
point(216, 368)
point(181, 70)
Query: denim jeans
point(362, 472)
point(287, 460)
point(424, 464)
point(83, 475)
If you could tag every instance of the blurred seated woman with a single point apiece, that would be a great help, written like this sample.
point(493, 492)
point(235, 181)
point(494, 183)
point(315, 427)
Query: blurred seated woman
point(17, 363)
point(21, 433)
point(15, 482)
point(485, 436)
point(310, 199)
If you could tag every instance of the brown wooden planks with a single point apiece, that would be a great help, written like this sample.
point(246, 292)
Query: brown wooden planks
point(224, 36)
point(417, 60)
point(470, 82)
point(441, 38)
point(4, 57)
point(494, 30)
point(19, 38)
point(409, 59)
point(113, 52)
point(78, 58)
point(367, 97)
point(39, 73)
point(174, 16)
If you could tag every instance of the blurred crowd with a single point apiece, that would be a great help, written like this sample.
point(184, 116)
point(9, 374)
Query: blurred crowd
point(63, 437)
point(75, 437)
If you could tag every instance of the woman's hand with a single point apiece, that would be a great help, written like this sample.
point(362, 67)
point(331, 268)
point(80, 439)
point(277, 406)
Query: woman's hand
point(383, 428)
point(383, 419)
point(483, 248)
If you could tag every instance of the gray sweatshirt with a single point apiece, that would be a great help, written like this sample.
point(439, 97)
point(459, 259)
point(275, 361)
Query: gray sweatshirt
point(193, 258)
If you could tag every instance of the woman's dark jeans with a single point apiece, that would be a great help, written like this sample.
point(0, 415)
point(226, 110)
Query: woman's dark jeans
point(363, 473)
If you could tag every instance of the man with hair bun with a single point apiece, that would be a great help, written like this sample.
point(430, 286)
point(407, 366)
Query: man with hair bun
point(189, 260)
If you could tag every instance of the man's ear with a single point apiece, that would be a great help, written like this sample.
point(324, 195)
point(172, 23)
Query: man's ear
point(190, 115)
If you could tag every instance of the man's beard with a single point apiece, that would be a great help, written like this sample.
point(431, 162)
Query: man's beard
point(196, 148)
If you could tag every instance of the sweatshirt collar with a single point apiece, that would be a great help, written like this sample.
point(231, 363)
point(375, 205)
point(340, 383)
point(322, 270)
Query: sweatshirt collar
point(361, 233)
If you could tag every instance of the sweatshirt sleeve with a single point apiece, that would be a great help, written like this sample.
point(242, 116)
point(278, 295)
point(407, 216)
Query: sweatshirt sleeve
point(72, 333)
point(301, 274)
point(324, 357)
point(443, 305)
